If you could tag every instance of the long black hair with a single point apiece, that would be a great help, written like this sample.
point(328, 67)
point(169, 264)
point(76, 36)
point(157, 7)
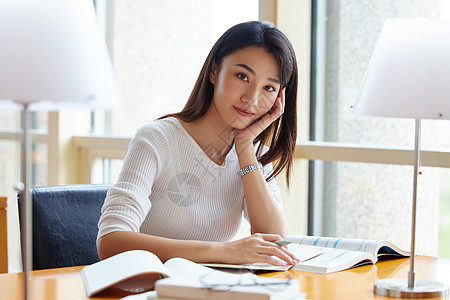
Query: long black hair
point(281, 135)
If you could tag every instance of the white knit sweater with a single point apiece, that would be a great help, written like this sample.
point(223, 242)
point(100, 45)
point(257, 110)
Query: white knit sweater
point(169, 187)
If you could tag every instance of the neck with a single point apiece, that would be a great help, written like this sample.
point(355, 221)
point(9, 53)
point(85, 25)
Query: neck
point(212, 135)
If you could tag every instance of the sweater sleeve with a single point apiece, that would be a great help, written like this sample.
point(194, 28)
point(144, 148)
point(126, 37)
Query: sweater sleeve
point(127, 202)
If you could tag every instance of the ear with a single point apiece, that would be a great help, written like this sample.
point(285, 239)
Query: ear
point(213, 74)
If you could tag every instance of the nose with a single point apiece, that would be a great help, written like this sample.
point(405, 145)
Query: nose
point(250, 96)
point(254, 97)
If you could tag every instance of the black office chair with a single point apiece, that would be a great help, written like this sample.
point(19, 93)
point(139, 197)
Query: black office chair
point(65, 224)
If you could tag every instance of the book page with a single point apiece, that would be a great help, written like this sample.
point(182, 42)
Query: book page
point(388, 249)
point(181, 267)
point(187, 271)
point(302, 252)
point(118, 268)
point(370, 246)
point(253, 266)
point(333, 260)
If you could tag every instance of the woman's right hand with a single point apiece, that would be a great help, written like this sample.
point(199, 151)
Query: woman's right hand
point(257, 248)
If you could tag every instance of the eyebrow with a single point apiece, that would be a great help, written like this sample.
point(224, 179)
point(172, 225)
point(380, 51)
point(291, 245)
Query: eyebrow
point(254, 73)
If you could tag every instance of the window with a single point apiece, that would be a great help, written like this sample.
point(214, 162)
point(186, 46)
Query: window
point(10, 149)
point(158, 49)
point(367, 200)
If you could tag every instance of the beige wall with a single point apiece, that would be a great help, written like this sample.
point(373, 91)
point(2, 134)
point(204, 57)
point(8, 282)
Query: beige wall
point(293, 18)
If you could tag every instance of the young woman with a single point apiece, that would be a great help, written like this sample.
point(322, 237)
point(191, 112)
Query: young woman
point(188, 177)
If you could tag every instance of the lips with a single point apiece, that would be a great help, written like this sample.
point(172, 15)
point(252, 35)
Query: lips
point(243, 112)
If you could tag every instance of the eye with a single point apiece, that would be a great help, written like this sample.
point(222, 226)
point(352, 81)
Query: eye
point(242, 76)
point(269, 88)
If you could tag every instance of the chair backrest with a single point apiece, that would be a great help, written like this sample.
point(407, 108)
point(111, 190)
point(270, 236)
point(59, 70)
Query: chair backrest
point(65, 224)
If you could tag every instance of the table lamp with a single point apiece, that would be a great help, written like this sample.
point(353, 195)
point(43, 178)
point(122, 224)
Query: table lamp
point(408, 76)
point(52, 56)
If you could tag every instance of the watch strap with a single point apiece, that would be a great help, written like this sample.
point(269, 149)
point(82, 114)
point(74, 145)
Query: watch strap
point(250, 168)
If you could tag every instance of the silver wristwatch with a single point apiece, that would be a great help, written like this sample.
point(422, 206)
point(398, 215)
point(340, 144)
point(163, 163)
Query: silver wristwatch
point(250, 168)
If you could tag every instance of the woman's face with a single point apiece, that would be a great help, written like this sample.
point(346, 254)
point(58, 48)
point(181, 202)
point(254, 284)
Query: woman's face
point(246, 85)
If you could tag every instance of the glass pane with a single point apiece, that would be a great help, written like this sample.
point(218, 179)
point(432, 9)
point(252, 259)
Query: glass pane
point(39, 120)
point(39, 166)
point(9, 120)
point(444, 214)
point(106, 170)
point(158, 50)
point(10, 174)
point(372, 200)
point(351, 32)
point(10, 168)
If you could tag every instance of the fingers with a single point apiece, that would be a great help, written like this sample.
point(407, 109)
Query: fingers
point(273, 253)
point(257, 248)
point(252, 131)
point(282, 100)
point(277, 255)
point(278, 108)
point(273, 260)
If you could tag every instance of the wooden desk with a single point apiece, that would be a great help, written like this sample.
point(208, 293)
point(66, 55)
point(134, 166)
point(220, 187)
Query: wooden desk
point(66, 283)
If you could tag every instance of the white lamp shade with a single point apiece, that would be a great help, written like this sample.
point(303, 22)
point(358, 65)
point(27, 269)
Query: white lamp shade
point(52, 56)
point(409, 73)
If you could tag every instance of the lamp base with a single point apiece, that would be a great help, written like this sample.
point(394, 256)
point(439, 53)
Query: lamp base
point(398, 288)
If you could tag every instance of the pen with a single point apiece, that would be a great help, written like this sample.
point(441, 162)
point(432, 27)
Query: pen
point(282, 242)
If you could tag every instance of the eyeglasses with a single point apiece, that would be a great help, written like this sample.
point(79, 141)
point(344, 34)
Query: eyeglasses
point(216, 281)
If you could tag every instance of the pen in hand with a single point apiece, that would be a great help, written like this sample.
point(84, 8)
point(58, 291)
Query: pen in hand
point(282, 242)
point(285, 243)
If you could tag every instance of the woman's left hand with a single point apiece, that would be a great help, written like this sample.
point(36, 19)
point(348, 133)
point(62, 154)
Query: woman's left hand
point(245, 137)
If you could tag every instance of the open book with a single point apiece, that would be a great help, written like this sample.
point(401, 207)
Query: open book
point(327, 255)
point(303, 253)
point(343, 253)
point(140, 271)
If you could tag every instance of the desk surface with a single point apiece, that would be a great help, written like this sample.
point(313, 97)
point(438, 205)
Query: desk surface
point(357, 283)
